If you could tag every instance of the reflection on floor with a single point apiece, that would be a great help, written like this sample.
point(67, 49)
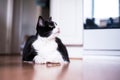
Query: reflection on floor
point(11, 68)
point(101, 67)
point(90, 68)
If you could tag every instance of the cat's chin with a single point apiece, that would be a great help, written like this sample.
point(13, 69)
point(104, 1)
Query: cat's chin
point(53, 36)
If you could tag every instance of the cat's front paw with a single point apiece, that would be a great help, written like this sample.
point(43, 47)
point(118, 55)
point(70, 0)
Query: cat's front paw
point(39, 60)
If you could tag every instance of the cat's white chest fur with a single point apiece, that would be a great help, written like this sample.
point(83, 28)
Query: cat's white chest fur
point(46, 51)
point(44, 46)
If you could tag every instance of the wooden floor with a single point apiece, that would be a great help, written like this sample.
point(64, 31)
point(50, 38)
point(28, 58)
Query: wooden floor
point(90, 68)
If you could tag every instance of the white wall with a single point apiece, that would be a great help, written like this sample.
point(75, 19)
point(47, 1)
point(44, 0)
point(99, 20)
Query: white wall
point(68, 14)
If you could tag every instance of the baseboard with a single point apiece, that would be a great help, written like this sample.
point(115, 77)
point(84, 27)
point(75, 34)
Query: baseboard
point(72, 58)
point(101, 53)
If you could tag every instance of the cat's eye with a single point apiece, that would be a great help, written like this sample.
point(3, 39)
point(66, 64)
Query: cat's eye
point(51, 26)
point(55, 23)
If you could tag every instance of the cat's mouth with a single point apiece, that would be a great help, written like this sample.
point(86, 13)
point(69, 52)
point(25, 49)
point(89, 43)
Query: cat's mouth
point(56, 31)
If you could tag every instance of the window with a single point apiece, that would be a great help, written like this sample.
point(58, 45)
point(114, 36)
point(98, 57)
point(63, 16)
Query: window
point(99, 14)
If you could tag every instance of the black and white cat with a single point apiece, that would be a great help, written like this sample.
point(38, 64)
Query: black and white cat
point(45, 46)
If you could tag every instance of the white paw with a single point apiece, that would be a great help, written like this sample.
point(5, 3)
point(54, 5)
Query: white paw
point(54, 59)
point(39, 59)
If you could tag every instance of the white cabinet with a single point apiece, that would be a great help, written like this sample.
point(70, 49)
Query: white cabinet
point(102, 39)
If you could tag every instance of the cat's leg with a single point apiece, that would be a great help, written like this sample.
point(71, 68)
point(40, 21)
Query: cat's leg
point(63, 50)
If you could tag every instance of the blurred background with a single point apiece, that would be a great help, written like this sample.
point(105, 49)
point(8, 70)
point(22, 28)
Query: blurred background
point(86, 25)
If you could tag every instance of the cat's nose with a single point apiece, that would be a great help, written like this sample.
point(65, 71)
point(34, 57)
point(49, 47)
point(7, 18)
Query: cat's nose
point(56, 30)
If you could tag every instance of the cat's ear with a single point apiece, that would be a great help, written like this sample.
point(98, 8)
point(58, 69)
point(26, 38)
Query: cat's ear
point(40, 21)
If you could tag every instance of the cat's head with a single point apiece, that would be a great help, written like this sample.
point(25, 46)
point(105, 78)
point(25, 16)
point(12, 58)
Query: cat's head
point(47, 28)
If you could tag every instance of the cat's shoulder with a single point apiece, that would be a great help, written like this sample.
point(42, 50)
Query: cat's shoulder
point(58, 40)
point(31, 38)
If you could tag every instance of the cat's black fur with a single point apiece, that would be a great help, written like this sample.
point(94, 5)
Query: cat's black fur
point(44, 29)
